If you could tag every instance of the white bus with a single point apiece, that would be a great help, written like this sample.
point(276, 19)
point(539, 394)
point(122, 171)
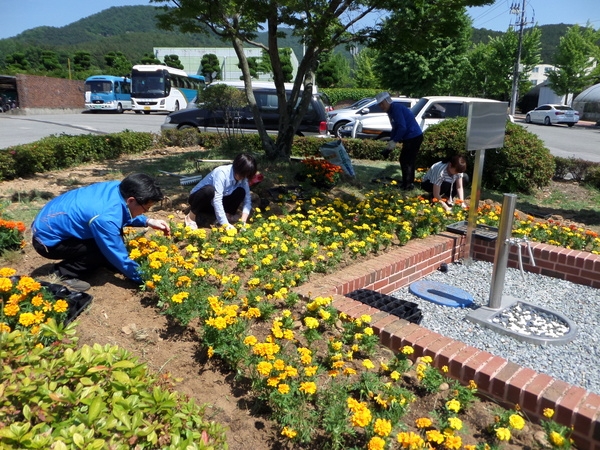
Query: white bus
point(156, 88)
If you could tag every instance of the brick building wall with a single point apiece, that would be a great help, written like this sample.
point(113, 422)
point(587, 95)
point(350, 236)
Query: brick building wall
point(37, 93)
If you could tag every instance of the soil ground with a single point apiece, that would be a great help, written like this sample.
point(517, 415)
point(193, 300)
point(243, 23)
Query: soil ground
point(122, 315)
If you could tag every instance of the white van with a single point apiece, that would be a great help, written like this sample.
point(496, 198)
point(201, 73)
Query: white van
point(428, 111)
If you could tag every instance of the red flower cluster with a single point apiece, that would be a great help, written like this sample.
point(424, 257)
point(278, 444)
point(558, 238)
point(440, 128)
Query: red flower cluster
point(321, 171)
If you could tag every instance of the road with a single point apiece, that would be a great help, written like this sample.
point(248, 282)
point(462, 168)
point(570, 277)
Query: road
point(581, 141)
point(15, 130)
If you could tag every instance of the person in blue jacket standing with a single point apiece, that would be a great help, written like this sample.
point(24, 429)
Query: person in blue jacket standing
point(84, 227)
point(405, 130)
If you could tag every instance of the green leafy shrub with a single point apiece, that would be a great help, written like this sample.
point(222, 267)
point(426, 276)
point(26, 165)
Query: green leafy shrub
point(188, 137)
point(337, 95)
point(522, 165)
point(59, 396)
point(576, 167)
point(62, 151)
point(592, 176)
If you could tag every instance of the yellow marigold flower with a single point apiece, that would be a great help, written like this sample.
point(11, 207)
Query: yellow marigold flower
point(427, 359)
point(4, 328)
point(289, 432)
point(368, 331)
point(361, 418)
point(179, 297)
point(311, 322)
point(503, 434)
point(310, 371)
point(367, 364)
point(37, 300)
point(288, 334)
point(7, 272)
point(26, 319)
point(556, 438)
point(472, 385)
point(407, 350)
point(516, 421)
point(395, 375)
point(325, 315)
point(382, 427)
point(210, 351)
point(455, 423)
point(453, 405)
point(349, 371)
point(291, 371)
point(283, 388)
point(434, 436)
point(308, 387)
point(279, 364)
point(250, 341)
point(61, 306)
point(264, 368)
point(376, 443)
point(445, 369)
point(365, 318)
point(423, 422)
point(453, 442)
point(548, 412)
point(5, 284)
point(272, 381)
point(410, 440)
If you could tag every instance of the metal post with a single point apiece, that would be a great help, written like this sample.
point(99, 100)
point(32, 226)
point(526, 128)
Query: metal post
point(515, 83)
point(502, 250)
point(474, 202)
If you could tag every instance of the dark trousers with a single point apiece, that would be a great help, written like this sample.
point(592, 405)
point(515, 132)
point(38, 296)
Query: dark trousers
point(408, 157)
point(201, 200)
point(444, 188)
point(79, 257)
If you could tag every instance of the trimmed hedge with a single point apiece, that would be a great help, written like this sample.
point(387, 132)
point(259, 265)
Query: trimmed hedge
point(63, 151)
point(522, 165)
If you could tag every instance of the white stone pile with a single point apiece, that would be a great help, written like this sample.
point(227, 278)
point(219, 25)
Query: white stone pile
point(527, 320)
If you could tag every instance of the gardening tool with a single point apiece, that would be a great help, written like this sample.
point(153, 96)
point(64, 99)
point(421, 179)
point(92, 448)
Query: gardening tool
point(183, 179)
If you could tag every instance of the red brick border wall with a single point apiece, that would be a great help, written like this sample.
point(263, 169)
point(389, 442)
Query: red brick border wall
point(506, 382)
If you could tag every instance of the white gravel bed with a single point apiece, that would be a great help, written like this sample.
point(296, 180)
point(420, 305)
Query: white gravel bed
point(576, 362)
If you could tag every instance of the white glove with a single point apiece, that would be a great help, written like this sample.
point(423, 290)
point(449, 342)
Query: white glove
point(391, 145)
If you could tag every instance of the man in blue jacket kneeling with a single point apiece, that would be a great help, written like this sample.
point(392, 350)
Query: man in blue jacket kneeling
point(84, 227)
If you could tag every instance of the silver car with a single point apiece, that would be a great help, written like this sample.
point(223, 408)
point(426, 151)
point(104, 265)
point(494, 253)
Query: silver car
point(367, 107)
point(552, 114)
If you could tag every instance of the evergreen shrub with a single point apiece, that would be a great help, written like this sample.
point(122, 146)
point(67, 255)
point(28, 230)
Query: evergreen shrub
point(62, 151)
point(522, 165)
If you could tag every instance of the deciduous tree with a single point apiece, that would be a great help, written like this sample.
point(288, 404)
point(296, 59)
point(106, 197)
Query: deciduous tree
point(321, 25)
point(575, 57)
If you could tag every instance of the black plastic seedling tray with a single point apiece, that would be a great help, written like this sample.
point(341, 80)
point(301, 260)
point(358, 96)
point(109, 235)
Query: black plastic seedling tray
point(401, 308)
point(481, 231)
point(77, 301)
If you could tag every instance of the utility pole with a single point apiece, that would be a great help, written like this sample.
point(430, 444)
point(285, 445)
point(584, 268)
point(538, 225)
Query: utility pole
point(515, 83)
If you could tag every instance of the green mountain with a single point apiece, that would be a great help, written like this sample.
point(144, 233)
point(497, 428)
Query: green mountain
point(132, 31)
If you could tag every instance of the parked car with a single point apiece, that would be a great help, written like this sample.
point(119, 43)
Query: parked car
point(313, 123)
point(550, 114)
point(366, 107)
point(427, 111)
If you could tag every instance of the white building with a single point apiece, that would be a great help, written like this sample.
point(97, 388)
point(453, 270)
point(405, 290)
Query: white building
point(191, 59)
point(539, 73)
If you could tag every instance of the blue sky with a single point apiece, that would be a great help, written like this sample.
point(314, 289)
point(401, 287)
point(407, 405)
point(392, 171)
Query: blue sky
point(20, 15)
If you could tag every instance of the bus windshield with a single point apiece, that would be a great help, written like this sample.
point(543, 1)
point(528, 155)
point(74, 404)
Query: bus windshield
point(149, 84)
point(98, 87)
